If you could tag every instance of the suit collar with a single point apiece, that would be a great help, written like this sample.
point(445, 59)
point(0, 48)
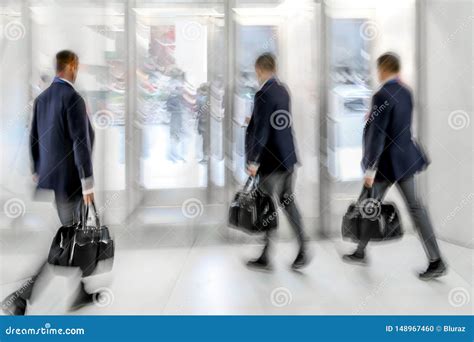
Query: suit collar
point(62, 80)
point(391, 80)
point(267, 83)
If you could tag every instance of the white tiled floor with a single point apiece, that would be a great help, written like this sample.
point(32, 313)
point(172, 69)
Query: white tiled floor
point(214, 280)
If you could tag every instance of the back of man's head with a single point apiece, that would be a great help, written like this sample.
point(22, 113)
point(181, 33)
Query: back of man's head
point(65, 58)
point(266, 62)
point(389, 62)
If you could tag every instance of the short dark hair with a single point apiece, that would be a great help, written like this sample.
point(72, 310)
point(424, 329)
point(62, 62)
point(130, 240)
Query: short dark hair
point(266, 61)
point(64, 58)
point(389, 61)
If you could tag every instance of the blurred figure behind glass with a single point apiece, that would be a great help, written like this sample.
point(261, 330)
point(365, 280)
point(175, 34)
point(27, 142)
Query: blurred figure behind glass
point(202, 115)
point(391, 156)
point(175, 107)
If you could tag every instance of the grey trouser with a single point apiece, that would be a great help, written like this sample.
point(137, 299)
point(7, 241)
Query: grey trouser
point(417, 212)
point(68, 209)
point(280, 186)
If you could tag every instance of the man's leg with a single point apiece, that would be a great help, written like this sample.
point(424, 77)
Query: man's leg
point(15, 303)
point(68, 212)
point(425, 229)
point(68, 208)
point(268, 184)
point(288, 204)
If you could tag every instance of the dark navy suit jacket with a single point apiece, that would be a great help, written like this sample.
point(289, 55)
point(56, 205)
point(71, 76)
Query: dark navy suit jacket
point(269, 136)
point(388, 142)
point(61, 140)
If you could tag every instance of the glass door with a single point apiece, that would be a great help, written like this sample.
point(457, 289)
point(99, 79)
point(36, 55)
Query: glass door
point(180, 66)
point(289, 30)
point(15, 111)
point(355, 35)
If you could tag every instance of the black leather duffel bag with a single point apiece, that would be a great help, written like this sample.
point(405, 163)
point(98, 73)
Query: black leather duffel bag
point(252, 210)
point(382, 220)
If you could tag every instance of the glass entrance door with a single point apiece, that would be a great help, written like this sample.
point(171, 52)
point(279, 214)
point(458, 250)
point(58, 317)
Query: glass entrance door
point(289, 30)
point(356, 33)
point(177, 130)
point(179, 88)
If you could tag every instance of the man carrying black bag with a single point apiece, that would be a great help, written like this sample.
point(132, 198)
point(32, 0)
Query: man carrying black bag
point(61, 140)
point(271, 154)
point(391, 156)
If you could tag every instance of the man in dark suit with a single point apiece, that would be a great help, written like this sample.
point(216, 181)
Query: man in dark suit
point(271, 154)
point(391, 156)
point(61, 141)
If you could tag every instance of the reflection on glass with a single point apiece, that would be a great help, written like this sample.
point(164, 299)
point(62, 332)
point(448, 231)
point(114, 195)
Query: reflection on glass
point(349, 96)
point(15, 105)
point(175, 97)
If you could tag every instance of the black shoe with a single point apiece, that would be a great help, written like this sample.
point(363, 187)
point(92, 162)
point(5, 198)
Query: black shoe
point(355, 258)
point(435, 269)
point(82, 299)
point(261, 263)
point(301, 261)
point(14, 305)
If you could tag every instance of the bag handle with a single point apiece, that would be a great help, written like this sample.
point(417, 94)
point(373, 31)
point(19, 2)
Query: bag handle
point(251, 183)
point(366, 193)
point(84, 212)
point(248, 182)
point(85, 215)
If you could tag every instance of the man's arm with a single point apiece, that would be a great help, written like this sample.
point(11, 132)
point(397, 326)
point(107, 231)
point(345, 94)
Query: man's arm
point(261, 114)
point(78, 125)
point(375, 135)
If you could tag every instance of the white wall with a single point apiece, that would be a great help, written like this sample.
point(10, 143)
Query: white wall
point(447, 122)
